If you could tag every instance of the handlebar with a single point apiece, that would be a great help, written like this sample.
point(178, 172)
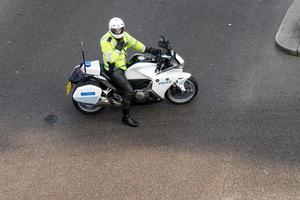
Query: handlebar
point(162, 62)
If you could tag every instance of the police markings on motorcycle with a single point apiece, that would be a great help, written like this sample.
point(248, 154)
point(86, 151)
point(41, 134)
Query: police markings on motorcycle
point(167, 81)
point(92, 91)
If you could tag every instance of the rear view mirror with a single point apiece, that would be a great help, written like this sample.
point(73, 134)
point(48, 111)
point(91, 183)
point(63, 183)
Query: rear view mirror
point(162, 38)
point(163, 45)
point(173, 53)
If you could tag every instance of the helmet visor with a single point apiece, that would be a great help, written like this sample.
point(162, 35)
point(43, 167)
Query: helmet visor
point(117, 31)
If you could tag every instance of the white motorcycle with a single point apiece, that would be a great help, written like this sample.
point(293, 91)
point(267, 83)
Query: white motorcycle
point(151, 81)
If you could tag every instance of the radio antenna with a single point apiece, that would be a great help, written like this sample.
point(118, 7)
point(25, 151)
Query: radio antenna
point(83, 58)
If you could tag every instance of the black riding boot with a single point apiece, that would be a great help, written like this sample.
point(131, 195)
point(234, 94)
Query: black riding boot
point(119, 79)
point(128, 120)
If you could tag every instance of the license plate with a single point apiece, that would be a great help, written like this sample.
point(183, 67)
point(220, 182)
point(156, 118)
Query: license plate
point(68, 87)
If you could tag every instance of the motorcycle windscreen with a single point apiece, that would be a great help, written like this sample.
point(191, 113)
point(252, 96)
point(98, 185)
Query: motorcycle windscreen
point(89, 94)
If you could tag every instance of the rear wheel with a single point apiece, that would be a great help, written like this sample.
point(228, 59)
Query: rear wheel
point(87, 109)
point(176, 96)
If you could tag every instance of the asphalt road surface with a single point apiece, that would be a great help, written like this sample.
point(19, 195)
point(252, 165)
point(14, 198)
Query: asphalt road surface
point(239, 139)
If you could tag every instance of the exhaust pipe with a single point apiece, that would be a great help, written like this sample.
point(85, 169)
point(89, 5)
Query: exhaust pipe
point(107, 102)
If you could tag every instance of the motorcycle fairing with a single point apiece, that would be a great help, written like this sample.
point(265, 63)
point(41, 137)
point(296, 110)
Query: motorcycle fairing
point(162, 82)
point(143, 70)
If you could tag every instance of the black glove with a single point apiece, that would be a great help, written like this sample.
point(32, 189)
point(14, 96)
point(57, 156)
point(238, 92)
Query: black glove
point(160, 62)
point(111, 67)
point(152, 51)
point(121, 44)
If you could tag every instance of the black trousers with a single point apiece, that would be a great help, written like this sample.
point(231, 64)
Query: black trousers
point(120, 81)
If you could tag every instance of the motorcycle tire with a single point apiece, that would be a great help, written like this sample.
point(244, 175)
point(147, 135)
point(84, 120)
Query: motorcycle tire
point(176, 96)
point(87, 108)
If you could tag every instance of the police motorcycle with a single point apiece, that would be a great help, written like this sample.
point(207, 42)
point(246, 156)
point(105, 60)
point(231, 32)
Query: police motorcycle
point(152, 77)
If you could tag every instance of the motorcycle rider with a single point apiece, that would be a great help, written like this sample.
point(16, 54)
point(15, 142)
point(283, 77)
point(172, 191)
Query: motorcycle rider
point(114, 45)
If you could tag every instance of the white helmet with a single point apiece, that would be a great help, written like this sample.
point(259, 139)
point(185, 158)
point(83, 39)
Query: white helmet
point(116, 27)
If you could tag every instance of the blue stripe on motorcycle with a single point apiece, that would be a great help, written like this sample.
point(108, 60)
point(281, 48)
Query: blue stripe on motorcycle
point(87, 93)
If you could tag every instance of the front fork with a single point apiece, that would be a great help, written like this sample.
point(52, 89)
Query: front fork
point(180, 82)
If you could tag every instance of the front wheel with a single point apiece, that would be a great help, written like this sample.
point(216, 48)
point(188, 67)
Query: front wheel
point(176, 96)
point(87, 109)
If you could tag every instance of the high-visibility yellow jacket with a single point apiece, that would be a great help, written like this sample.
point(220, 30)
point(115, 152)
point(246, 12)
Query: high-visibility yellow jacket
point(112, 55)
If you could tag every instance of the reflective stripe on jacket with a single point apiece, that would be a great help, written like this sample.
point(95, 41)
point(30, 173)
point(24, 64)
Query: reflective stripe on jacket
point(112, 55)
